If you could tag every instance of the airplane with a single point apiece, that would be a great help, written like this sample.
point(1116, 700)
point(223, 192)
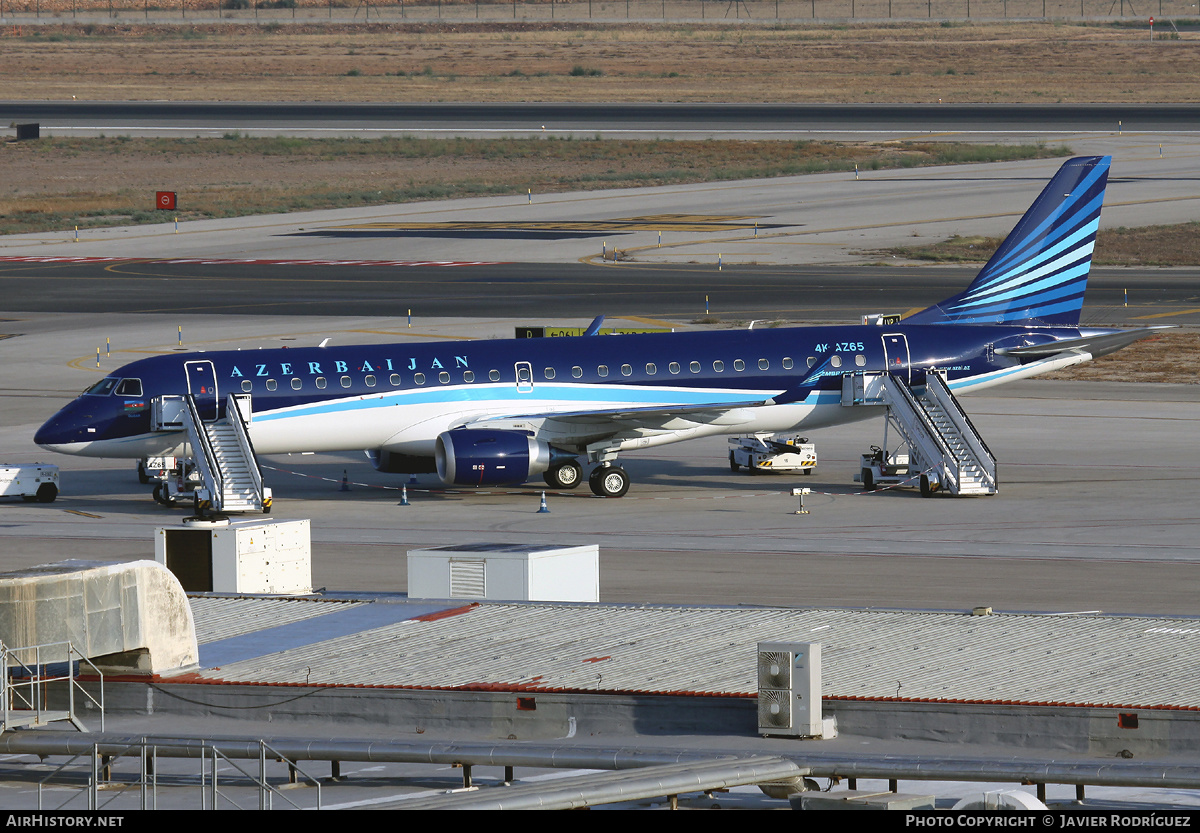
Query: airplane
point(495, 412)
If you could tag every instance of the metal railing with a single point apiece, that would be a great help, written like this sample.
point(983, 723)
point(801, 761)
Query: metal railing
point(32, 673)
point(238, 420)
point(102, 790)
point(202, 451)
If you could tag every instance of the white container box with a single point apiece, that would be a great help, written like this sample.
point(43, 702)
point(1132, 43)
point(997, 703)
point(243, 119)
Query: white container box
point(238, 557)
point(506, 572)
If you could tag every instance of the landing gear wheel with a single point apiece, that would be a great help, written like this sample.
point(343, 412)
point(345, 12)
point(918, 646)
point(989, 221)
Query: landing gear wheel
point(46, 493)
point(567, 476)
point(733, 466)
point(161, 495)
point(609, 481)
point(868, 480)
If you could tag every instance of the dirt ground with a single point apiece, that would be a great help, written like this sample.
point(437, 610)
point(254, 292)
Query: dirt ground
point(1028, 62)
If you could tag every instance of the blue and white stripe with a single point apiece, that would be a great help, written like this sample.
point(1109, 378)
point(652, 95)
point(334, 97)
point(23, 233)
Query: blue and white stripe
point(1039, 274)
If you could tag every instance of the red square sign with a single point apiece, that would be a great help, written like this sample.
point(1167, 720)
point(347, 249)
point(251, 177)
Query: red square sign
point(164, 200)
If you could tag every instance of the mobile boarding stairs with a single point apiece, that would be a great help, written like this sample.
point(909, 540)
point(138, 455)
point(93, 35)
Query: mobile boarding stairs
point(223, 475)
point(944, 450)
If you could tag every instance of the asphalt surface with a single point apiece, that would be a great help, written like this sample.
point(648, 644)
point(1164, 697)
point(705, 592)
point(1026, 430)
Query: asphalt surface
point(619, 116)
point(539, 290)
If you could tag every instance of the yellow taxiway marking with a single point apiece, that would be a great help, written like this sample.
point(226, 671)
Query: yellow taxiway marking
point(1167, 314)
point(84, 514)
point(653, 222)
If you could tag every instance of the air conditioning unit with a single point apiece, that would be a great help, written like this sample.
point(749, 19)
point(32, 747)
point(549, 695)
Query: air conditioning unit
point(789, 689)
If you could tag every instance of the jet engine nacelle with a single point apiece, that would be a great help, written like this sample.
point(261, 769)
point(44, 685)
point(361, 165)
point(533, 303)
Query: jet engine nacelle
point(390, 462)
point(473, 457)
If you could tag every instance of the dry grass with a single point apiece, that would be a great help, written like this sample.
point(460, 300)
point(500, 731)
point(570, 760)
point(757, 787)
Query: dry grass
point(1027, 62)
point(1172, 357)
point(55, 184)
point(1146, 246)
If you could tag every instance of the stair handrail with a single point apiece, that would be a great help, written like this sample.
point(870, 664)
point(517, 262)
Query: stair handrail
point(234, 414)
point(210, 470)
point(974, 440)
point(930, 430)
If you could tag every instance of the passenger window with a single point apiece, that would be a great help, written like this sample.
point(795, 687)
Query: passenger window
point(130, 387)
point(296, 383)
point(763, 364)
point(673, 367)
point(345, 381)
point(577, 372)
point(271, 385)
point(836, 361)
point(494, 375)
point(626, 370)
point(787, 363)
point(247, 385)
point(651, 369)
point(602, 370)
point(694, 367)
point(549, 372)
point(321, 382)
point(370, 380)
point(468, 375)
point(739, 365)
point(444, 378)
point(394, 379)
point(418, 378)
point(812, 360)
point(860, 360)
point(719, 366)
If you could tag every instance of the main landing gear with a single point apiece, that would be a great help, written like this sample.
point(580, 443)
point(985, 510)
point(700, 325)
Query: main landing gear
point(605, 480)
point(565, 476)
point(609, 481)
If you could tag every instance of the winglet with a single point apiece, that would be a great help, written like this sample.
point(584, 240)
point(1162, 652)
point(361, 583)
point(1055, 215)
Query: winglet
point(594, 327)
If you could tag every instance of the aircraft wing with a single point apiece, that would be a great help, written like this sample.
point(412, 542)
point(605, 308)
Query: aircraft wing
point(1095, 345)
point(623, 415)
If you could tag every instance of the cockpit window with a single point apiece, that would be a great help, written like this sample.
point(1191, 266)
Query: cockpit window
point(102, 388)
point(130, 387)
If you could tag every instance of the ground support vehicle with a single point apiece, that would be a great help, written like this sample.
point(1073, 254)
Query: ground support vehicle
point(772, 453)
point(34, 482)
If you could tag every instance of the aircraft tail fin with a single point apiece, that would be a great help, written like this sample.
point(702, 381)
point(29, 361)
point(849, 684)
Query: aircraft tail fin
point(1040, 272)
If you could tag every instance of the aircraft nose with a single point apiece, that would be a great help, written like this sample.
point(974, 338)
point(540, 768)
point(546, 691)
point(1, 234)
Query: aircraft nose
point(62, 430)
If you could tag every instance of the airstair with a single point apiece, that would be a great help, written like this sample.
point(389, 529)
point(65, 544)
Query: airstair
point(230, 479)
point(945, 451)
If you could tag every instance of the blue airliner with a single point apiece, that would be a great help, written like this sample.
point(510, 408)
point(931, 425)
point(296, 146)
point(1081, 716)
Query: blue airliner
point(504, 411)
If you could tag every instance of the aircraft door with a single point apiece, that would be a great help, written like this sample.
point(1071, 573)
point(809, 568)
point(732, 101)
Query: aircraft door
point(202, 385)
point(896, 357)
point(524, 377)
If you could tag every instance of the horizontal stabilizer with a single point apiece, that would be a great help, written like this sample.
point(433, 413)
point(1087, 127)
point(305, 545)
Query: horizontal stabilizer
point(1099, 344)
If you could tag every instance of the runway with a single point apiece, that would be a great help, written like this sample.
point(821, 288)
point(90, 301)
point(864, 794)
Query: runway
point(660, 119)
point(530, 292)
